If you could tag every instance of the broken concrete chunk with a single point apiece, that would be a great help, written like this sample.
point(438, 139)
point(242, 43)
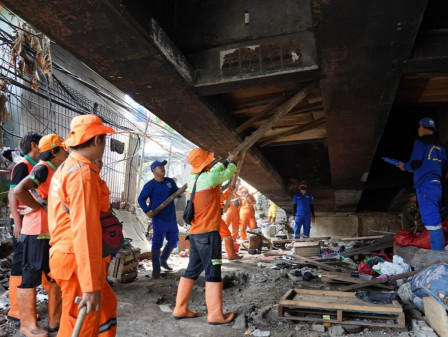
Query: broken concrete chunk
point(318, 327)
point(240, 322)
point(336, 331)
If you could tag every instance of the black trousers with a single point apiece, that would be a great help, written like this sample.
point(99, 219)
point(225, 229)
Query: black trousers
point(17, 258)
point(36, 258)
point(205, 254)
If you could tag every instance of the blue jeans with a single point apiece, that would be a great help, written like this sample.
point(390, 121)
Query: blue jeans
point(429, 195)
point(305, 221)
point(205, 254)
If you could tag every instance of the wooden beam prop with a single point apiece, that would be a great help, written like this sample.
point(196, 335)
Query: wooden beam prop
point(281, 111)
point(297, 129)
point(233, 182)
point(259, 116)
point(378, 281)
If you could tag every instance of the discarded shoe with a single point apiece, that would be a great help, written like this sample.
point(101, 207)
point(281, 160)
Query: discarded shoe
point(297, 272)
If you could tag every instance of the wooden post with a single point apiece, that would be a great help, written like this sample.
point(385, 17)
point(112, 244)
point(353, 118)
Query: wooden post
point(233, 182)
point(279, 112)
point(377, 281)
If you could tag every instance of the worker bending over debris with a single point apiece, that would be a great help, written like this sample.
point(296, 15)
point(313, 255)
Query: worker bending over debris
point(164, 223)
point(32, 192)
point(77, 195)
point(224, 231)
point(428, 163)
point(29, 145)
point(205, 252)
point(247, 212)
point(303, 211)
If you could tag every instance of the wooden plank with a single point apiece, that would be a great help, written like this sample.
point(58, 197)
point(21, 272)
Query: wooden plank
point(323, 293)
point(344, 278)
point(378, 281)
point(280, 111)
point(266, 111)
point(386, 242)
point(297, 129)
point(436, 316)
point(315, 263)
point(319, 238)
point(361, 238)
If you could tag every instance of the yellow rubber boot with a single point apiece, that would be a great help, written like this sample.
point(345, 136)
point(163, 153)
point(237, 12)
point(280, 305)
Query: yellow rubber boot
point(230, 249)
point(27, 308)
point(183, 295)
point(213, 299)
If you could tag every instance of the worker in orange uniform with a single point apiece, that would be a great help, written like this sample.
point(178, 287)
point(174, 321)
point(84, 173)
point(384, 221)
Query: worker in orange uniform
point(232, 216)
point(77, 196)
point(225, 233)
point(32, 192)
point(247, 212)
point(205, 242)
point(29, 145)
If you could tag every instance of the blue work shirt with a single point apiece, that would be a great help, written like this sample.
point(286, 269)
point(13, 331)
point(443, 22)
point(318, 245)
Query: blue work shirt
point(304, 202)
point(157, 192)
point(428, 160)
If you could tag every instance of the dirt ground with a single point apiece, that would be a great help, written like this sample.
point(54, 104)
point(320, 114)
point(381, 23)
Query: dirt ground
point(252, 289)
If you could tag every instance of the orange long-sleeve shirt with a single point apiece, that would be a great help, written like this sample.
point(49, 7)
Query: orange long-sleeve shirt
point(78, 186)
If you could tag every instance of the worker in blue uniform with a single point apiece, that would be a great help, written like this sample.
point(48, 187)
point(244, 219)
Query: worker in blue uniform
point(428, 163)
point(164, 223)
point(303, 211)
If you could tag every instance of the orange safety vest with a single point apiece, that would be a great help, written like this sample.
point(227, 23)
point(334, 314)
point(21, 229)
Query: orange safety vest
point(36, 223)
point(30, 166)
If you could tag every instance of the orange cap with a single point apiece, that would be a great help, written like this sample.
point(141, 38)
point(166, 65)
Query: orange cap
point(49, 142)
point(85, 127)
point(199, 159)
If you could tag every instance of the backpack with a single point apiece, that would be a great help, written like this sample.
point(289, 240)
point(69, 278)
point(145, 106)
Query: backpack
point(112, 231)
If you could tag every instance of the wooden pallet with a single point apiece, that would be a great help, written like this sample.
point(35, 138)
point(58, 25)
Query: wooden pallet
point(307, 248)
point(343, 308)
point(123, 267)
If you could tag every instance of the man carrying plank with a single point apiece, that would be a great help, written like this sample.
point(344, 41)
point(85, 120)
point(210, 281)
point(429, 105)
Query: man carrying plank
point(205, 241)
point(164, 223)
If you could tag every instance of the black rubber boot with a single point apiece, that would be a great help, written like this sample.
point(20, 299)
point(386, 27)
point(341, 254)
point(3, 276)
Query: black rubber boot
point(164, 257)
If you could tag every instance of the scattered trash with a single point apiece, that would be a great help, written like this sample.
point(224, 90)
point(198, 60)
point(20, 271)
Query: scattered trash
point(165, 308)
point(259, 333)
